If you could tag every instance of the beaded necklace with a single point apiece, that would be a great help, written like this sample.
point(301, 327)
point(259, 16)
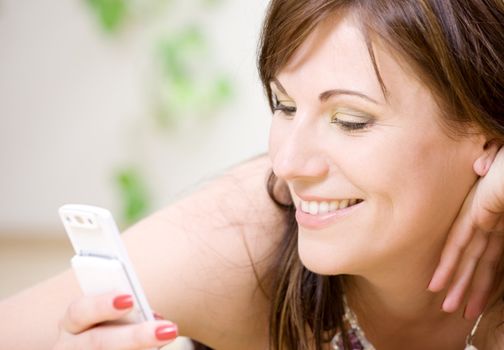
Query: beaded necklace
point(358, 340)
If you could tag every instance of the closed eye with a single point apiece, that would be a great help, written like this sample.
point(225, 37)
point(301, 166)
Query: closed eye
point(282, 107)
point(288, 110)
point(351, 122)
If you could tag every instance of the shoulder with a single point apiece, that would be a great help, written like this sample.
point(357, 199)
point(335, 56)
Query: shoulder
point(199, 258)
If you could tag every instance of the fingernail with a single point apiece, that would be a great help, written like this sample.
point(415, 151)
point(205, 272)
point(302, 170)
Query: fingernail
point(429, 287)
point(448, 306)
point(166, 332)
point(123, 302)
point(443, 306)
point(432, 284)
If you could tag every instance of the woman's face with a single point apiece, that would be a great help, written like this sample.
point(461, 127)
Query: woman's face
point(386, 163)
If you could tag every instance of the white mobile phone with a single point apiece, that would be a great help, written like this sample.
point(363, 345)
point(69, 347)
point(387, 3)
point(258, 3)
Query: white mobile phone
point(101, 263)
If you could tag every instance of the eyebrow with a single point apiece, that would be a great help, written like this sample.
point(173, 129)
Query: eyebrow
point(324, 96)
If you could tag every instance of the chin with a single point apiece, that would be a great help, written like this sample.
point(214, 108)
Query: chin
point(324, 259)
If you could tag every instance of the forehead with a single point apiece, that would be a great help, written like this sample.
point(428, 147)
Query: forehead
point(336, 56)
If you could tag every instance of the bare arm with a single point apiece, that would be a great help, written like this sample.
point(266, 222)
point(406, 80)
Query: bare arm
point(193, 262)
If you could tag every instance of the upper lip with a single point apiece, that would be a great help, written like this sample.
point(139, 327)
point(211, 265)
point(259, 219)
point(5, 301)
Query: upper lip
point(314, 198)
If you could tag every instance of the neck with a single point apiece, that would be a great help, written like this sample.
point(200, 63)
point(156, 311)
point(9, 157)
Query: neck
point(393, 301)
point(398, 290)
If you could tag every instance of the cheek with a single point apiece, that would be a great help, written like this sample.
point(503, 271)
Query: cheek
point(405, 168)
point(416, 187)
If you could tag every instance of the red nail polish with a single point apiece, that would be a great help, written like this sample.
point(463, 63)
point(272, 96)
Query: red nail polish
point(123, 302)
point(166, 332)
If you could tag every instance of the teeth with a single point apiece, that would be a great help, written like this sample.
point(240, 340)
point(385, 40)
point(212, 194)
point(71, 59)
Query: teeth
point(315, 208)
point(323, 208)
point(344, 203)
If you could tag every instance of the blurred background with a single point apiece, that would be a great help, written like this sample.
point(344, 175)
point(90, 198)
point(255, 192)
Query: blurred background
point(125, 104)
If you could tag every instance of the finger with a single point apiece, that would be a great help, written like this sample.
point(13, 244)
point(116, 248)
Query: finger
point(465, 272)
point(88, 311)
point(485, 276)
point(459, 236)
point(146, 335)
point(486, 217)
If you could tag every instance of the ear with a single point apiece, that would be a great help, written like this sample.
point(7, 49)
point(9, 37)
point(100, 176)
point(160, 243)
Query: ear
point(486, 158)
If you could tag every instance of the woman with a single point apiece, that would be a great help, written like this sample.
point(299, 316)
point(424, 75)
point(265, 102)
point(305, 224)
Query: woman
point(385, 115)
point(379, 111)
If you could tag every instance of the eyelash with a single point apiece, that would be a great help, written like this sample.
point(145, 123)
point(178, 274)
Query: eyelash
point(347, 126)
point(288, 110)
point(351, 126)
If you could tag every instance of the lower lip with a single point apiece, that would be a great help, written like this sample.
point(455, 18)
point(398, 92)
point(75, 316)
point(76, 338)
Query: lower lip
point(318, 222)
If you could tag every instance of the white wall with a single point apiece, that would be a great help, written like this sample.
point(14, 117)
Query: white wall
point(73, 103)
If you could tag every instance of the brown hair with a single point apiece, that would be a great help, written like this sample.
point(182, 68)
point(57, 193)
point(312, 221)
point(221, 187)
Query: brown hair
point(456, 48)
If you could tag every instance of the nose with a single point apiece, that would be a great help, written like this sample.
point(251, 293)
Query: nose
point(299, 153)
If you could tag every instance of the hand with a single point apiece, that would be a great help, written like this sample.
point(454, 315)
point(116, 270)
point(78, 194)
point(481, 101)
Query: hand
point(86, 325)
point(475, 243)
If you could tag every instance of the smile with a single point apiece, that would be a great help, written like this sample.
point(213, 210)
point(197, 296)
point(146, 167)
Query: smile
point(320, 208)
point(317, 215)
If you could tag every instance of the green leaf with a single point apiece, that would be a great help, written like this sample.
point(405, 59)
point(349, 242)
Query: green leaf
point(111, 13)
point(223, 90)
point(134, 194)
